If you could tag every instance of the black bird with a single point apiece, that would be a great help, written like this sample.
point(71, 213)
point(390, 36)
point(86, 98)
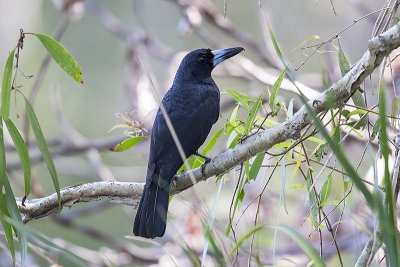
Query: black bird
point(192, 105)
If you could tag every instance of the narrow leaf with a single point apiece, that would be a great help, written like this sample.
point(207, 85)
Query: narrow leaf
point(298, 162)
point(7, 228)
point(388, 221)
point(303, 244)
point(375, 128)
point(15, 215)
point(344, 64)
point(252, 115)
point(232, 118)
point(212, 142)
point(395, 108)
point(244, 238)
point(306, 41)
point(312, 201)
point(48, 245)
point(357, 97)
point(326, 189)
point(275, 42)
point(241, 99)
point(274, 92)
point(22, 151)
point(255, 167)
point(127, 143)
point(298, 186)
point(219, 256)
point(6, 87)
point(2, 156)
point(337, 150)
point(44, 150)
point(60, 55)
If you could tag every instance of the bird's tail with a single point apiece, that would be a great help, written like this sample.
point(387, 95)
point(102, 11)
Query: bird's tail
point(151, 216)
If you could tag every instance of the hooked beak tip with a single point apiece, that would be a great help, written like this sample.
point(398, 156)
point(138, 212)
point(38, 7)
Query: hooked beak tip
point(223, 54)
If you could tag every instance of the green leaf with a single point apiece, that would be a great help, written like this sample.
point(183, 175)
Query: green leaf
point(60, 55)
point(326, 189)
point(274, 92)
point(47, 244)
point(234, 141)
point(189, 162)
point(3, 165)
point(241, 195)
point(127, 143)
point(375, 128)
point(312, 202)
point(255, 167)
point(353, 175)
point(306, 246)
point(336, 135)
point(284, 144)
point(213, 141)
point(388, 218)
point(232, 118)
point(22, 151)
point(241, 99)
point(298, 186)
point(298, 163)
point(329, 203)
point(385, 214)
point(357, 97)
point(346, 184)
point(306, 41)
point(252, 115)
point(219, 256)
point(244, 238)
point(192, 255)
point(355, 112)
point(275, 43)
point(247, 169)
point(15, 215)
point(358, 100)
point(6, 86)
point(395, 108)
point(44, 150)
point(344, 64)
point(7, 228)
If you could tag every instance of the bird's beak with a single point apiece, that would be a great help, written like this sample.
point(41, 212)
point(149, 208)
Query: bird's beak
point(222, 54)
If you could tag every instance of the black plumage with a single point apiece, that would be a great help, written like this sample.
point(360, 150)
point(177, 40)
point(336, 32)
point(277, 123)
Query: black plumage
point(192, 105)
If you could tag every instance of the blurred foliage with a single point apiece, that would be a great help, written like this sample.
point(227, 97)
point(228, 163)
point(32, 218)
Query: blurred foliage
point(311, 177)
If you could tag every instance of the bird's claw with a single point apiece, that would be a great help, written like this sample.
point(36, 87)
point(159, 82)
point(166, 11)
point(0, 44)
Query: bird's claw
point(243, 138)
point(203, 167)
point(206, 161)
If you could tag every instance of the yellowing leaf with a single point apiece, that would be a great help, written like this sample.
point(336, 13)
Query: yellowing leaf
point(60, 55)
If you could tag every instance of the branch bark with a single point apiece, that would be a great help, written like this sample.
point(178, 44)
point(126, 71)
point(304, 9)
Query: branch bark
point(129, 193)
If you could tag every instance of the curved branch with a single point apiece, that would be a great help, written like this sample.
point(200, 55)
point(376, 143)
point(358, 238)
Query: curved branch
point(129, 193)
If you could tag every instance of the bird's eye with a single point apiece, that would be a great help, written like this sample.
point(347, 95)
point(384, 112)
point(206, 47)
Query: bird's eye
point(202, 59)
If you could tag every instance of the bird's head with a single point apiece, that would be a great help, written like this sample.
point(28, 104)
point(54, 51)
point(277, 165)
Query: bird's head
point(199, 63)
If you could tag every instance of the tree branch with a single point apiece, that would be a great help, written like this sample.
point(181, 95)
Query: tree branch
point(129, 193)
point(375, 241)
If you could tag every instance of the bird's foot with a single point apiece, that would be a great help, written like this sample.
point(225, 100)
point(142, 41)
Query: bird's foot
point(206, 161)
point(243, 138)
point(203, 166)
